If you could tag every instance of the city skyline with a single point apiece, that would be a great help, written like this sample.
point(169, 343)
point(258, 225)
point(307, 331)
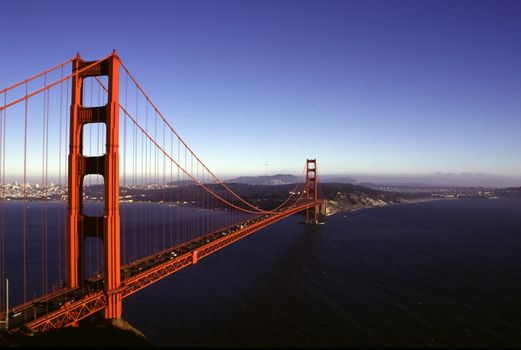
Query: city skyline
point(347, 82)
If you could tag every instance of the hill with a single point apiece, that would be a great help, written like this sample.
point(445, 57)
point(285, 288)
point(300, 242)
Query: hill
point(93, 332)
point(279, 179)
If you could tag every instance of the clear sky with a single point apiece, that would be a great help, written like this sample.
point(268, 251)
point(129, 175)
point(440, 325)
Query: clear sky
point(255, 87)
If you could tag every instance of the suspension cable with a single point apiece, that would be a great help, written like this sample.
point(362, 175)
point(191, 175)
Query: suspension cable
point(145, 133)
point(48, 86)
point(184, 143)
point(37, 75)
point(257, 210)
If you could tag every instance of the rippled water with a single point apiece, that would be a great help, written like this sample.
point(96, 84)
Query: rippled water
point(441, 273)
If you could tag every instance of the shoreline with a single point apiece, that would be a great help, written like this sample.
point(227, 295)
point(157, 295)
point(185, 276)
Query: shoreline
point(387, 204)
point(412, 201)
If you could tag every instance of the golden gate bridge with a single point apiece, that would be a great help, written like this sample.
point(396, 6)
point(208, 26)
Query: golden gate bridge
point(85, 236)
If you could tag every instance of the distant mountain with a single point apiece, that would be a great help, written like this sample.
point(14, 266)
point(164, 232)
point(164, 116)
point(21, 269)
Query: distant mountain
point(181, 183)
point(338, 179)
point(464, 179)
point(279, 179)
point(510, 192)
point(397, 184)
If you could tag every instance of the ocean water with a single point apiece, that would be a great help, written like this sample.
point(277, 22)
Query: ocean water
point(440, 273)
point(146, 228)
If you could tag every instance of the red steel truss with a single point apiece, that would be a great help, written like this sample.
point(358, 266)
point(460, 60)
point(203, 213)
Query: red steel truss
point(81, 226)
point(78, 302)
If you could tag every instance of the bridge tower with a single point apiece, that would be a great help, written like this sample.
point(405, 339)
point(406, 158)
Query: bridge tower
point(312, 191)
point(79, 225)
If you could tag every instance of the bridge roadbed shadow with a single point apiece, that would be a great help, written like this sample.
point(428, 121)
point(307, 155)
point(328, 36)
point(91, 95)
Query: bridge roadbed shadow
point(97, 333)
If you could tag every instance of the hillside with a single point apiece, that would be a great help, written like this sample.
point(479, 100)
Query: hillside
point(92, 332)
point(279, 179)
point(339, 196)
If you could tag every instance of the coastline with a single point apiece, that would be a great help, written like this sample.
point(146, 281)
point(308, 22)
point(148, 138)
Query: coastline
point(386, 204)
point(93, 332)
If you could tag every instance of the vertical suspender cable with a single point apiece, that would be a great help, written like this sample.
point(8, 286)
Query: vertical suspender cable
point(3, 180)
point(47, 184)
point(60, 175)
point(178, 197)
point(43, 185)
point(164, 192)
point(142, 166)
point(66, 170)
point(187, 184)
point(135, 180)
point(146, 169)
point(46, 203)
point(2, 215)
point(24, 232)
point(134, 186)
point(198, 201)
point(171, 210)
point(123, 208)
point(99, 151)
point(156, 182)
point(193, 222)
point(42, 226)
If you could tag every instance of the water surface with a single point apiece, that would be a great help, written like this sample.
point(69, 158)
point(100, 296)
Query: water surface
point(440, 273)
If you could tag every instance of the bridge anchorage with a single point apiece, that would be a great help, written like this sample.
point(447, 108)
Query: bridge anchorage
point(80, 297)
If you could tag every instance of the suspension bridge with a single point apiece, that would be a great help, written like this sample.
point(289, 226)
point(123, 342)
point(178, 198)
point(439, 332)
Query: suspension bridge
point(125, 205)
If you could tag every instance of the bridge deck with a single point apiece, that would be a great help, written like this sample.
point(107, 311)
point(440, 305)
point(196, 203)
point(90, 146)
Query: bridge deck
point(66, 307)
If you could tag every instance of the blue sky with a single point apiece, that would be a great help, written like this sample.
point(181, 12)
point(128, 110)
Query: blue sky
point(366, 87)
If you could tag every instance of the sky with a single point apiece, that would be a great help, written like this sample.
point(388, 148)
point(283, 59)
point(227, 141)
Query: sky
point(255, 87)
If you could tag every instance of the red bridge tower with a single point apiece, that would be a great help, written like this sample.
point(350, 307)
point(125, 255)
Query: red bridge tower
point(79, 225)
point(312, 191)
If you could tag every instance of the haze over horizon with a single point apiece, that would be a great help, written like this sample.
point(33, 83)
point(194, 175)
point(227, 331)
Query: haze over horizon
point(256, 87)
point(434, 179)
